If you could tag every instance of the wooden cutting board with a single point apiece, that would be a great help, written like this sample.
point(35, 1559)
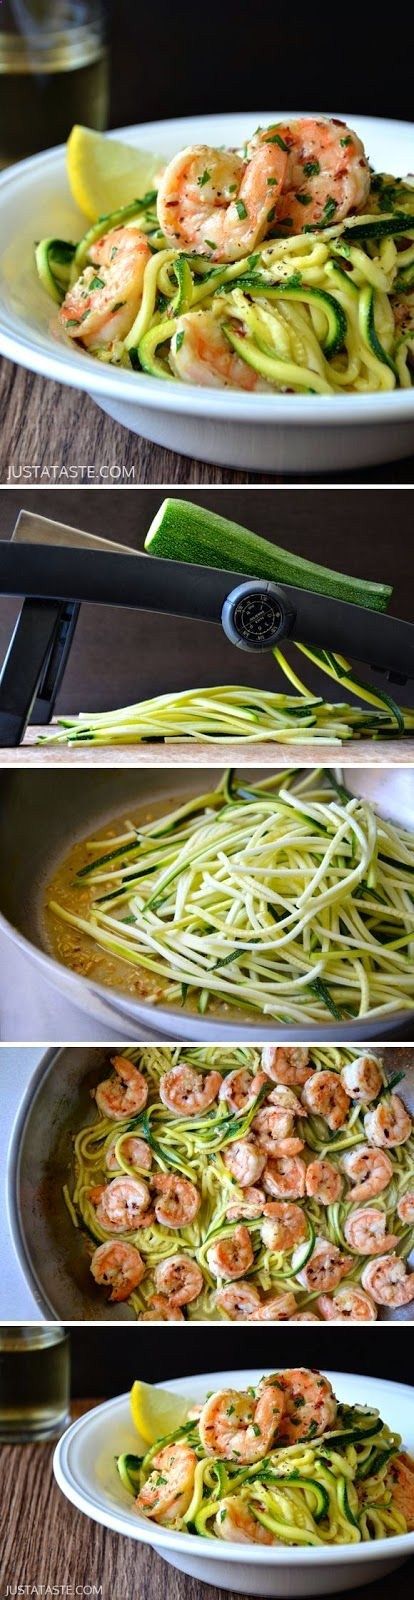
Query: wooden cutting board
point(390, 752)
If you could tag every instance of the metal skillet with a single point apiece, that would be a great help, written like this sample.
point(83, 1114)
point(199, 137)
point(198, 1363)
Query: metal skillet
point(50, 1250)
point(42, 814)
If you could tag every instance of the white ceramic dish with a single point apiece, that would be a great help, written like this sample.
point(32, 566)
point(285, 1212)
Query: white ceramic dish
point(280, 433)
point(85, 1471)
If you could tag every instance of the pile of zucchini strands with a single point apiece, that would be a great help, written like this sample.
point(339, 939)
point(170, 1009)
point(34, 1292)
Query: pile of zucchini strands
point(326, 311)
point(290, 898)
point(332, 1490)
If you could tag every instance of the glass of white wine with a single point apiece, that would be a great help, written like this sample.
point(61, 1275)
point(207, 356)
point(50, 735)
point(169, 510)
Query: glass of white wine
point(34, 1382)
point(53, 72)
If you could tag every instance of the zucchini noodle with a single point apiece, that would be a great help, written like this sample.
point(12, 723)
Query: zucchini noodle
point(327, 311)
point(239, 714)
point(339, 1488)
point(194, 1147)
point(291, 899)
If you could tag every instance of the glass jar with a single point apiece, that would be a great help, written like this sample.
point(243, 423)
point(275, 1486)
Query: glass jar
point(34, 1382)
point(53, 72)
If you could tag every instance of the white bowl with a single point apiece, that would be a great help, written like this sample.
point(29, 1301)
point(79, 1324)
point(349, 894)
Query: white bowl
point(276, 433)
point(85, 1470)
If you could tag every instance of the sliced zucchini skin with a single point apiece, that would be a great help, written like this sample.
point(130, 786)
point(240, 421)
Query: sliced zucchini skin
point(147, 347)
point(368, 329)
point(336, 317)
point(129, 1468)
point(321, 1494)
point(380, 227)
point(352, 1435)
point(265, 365)
point(54, 283)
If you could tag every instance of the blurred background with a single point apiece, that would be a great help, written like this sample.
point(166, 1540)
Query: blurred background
point(169, 61)
point(122, 656)
point(108, 63)
point(105, 1360)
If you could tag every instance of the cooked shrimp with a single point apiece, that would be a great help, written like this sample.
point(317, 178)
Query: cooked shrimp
point(405, 1207)
point(389, 1124)
point(200, 353)
point(245, 1160)
point(278, 1308)
point(347, 1305)
point(271, 1127)
point(187, 1093)
point(365, 1231)
point(167, 1493)
point(251, 1204)
point(284, 1226)
point(370, 1171)
point(118, 1265)
point(327, 173)
point(121, 1205)
point(161, 1310)
point(180, 1279)
point(285, 1098)
point(103, 303)
point(387, 1280)
point(239, 1089)
point(284, 1178)
point(323, 1182)
point(214, 203)
point(325, 1268)
point(325, 1096)
point(231, 1257)
point(135, 1151)
point(310, 1406)
point(239, 1426)
point(235, 1521)
point(291, 1066)
point(123, 1096)
point(362, 1079)
point(179, 1200)
point(241, 1301)
point(400, 1478)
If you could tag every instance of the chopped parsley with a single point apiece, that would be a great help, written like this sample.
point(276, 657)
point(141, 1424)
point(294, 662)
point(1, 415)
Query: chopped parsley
point(241, 209)
point(211, 244)
point(271, 181)
point(346, 141)
point(271, 214)
point(118, 305)
point(311, 169)
point(304, 199)
point(179, 340)
point(204, 178)
point(97, 283)
point(276, 138)
point(329, 209)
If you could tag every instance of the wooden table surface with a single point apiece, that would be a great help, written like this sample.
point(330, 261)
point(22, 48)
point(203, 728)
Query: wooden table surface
point(54, 435)
point(45, 1541)
point(364, 752)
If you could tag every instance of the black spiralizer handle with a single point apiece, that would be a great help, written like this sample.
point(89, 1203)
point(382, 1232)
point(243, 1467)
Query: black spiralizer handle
point(55, 580)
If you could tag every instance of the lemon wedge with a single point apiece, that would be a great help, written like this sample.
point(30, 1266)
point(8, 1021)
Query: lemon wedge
point(105, 174)
point(156, 1412)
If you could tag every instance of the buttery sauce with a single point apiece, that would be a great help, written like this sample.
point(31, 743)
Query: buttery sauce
point(76, 949)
